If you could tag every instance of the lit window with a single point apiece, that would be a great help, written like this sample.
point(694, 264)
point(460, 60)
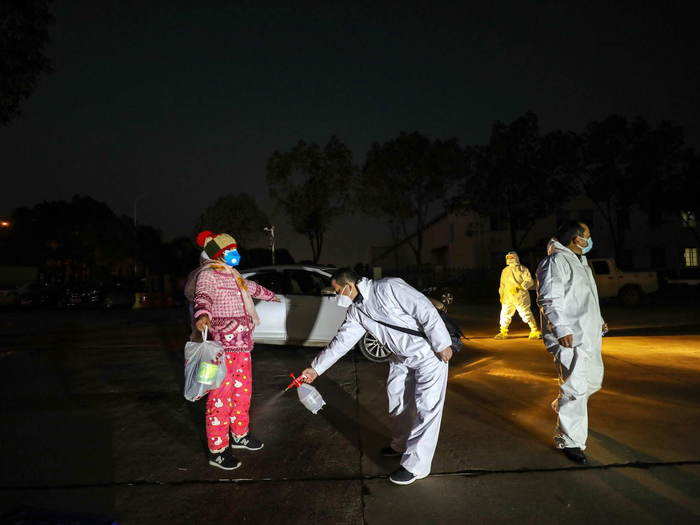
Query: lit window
point(689, 219)
point(690, 257)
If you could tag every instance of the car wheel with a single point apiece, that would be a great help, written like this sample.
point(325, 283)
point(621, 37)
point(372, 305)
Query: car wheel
point(372, 349)
point(631, 295)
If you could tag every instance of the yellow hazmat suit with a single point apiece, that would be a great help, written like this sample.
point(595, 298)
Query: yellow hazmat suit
point(516, 282)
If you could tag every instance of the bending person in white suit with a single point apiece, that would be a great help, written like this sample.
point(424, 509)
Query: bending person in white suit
point(573, 328)
point(418, 368)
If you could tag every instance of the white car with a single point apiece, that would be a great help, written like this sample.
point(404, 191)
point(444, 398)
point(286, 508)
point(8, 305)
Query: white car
point(629, 287)
point(307, 313)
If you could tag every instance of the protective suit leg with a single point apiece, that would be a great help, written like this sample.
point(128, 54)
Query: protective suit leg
point(578, 382)
point(400, 388)
point(429, 382)
point(507, 313)
point(525, 313)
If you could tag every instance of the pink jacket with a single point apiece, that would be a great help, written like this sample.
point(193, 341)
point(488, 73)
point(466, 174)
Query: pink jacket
point(218, 296)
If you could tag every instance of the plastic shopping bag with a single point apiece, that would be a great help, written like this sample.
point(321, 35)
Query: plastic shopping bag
point(205, 368)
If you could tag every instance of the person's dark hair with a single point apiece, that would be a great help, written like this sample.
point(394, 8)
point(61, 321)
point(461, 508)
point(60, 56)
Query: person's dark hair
point(345, 276)
point(568, 230)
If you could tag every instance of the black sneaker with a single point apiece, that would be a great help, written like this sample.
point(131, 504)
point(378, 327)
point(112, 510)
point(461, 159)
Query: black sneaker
point(401, 476)
point(389, 452)
point(575, 454)
point(224, 460)
point(247, 442)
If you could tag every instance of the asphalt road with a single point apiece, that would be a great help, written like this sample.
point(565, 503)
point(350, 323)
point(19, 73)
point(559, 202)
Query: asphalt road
point(93, 422)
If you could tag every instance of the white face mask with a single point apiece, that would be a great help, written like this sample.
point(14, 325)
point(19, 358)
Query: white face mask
point(343, 300)
point(589, 245)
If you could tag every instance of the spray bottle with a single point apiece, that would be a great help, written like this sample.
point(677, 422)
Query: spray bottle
point(308, 395)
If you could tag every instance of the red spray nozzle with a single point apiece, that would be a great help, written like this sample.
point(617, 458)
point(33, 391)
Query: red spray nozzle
point(296, 382)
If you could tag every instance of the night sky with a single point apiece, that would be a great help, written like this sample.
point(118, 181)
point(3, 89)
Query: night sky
point(185, 104)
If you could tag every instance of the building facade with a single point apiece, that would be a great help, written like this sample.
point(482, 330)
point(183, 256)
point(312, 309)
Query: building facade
point(662, 242)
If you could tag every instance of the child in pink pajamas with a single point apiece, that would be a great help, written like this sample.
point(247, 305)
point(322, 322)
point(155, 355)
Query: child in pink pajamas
point(223, 302)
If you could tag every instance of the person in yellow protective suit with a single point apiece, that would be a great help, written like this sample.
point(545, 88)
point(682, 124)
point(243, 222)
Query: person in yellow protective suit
point(515, 283)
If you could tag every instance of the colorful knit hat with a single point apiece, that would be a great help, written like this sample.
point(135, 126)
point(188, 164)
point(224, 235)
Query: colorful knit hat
point(215, 244)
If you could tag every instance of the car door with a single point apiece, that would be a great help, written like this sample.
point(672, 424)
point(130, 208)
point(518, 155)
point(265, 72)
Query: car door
point(330, 316)
point(313, 316)
point(273, 316)
point(304, 306)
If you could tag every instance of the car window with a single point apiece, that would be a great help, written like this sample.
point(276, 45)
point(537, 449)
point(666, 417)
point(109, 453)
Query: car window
point(274, 281)
point(601, 268)
point(303, 282)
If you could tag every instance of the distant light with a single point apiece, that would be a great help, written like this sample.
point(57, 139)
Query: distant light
point(5, 224)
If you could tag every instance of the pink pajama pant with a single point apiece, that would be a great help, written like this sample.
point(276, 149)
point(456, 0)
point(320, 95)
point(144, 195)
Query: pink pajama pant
point(228, 405)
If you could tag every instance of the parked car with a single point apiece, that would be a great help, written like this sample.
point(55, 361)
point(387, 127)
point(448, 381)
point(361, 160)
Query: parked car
point(8, 296)
point(307, 313)
point(629, 287)
point(96, 295)
point(73, 296)
point(35, 295)
point(117, 295)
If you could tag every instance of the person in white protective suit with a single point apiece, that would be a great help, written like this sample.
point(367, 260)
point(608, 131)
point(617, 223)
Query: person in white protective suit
point(573, 328)
point(514, 292)
point(417, 371)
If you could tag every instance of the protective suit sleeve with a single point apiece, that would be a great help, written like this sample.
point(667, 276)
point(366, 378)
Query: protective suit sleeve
point(551, 295)
point(347, 337)
point(422, 310)
point(502, 285)
point(204, 292)
point(527, 283)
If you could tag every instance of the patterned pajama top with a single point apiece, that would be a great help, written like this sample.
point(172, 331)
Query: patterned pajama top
point(218, 295)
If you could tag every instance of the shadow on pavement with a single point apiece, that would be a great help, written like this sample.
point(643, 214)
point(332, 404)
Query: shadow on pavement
point(650, 498)
point(352, 420)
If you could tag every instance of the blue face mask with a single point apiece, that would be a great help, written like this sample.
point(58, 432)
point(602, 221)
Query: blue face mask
point(588, 247)
point(232, 257)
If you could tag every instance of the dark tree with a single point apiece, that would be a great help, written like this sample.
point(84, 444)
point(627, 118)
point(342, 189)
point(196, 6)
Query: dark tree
point(24, 35)
point(238, 215)
point(676, 192)
point(81, 236)
point(312, 185)
point(624, 163)
point(519, 176)
point(405, 179)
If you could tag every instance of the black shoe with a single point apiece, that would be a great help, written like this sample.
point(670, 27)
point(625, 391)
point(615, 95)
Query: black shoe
point(224, 460)
point(401, 476)
point(575, 454)
point(389, 452)
point(247, 442)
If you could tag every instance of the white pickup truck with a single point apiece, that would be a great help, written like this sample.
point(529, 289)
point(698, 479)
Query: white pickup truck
point(629, 287)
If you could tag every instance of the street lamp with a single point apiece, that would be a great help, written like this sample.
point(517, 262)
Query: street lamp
point(6, 225)
point(271, 231)
point(136, 232)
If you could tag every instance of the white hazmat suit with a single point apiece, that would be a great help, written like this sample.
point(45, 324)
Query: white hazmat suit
point(568, 299)
point(417, 376)
point(513, 291)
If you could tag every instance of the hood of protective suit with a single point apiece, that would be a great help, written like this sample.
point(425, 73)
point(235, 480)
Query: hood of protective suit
point(555, 246)
point(363, 285)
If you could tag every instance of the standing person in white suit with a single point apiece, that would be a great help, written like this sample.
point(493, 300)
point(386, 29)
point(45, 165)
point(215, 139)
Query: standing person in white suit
point(418, 369)
point(514, 292)
point(573, 328)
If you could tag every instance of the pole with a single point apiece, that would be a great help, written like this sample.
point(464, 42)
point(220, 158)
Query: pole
point(136, 232)
point(271, 231)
